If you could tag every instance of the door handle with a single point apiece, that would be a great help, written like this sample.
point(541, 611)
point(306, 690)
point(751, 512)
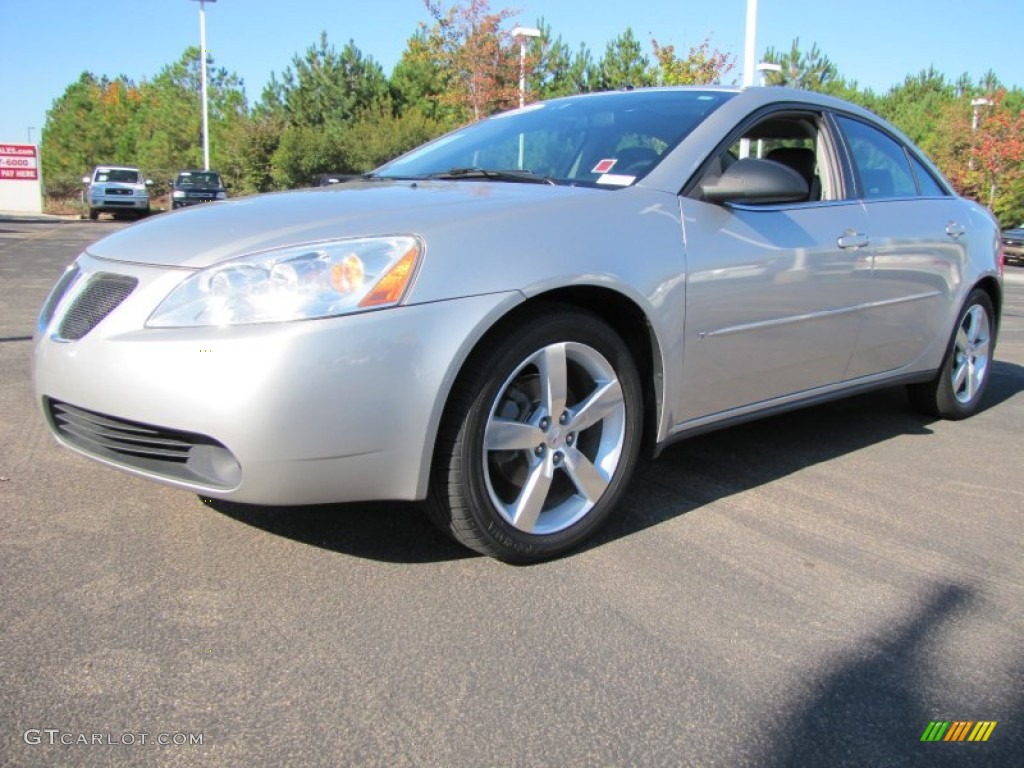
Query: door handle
point(852, 239)
point(955, 230)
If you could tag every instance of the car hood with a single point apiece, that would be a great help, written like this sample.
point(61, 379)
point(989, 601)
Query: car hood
point(201, 237)
point(1017, 233)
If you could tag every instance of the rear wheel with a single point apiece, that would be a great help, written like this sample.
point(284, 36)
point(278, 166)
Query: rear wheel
point(956, 392)
point(540, 438)
point(93, 214)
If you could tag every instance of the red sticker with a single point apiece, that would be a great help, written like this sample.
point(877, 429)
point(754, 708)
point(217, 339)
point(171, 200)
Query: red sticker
point(604, 166)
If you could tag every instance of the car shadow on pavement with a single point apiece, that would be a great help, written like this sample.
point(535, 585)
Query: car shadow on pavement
point(393, 532)
point(877, 704)
point(694, 473)
point(704, 469)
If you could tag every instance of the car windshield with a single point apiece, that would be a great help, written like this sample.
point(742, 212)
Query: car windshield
point(607, 139)
point(123, 176)
point(198, 179)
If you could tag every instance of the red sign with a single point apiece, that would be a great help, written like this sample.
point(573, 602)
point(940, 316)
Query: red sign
point(18, 162)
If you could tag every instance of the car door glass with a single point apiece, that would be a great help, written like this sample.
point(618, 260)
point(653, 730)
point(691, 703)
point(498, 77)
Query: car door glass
point(792, 139)
point(926, 183)
point(881, 162)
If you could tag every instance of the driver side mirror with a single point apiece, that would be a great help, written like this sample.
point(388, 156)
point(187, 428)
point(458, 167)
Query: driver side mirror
point(752, 180)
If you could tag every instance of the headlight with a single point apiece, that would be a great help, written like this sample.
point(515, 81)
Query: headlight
point(178, 194)
point(222, 196)
point(297, 283)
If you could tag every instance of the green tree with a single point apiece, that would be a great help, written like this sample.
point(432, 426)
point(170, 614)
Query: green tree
point(248, 152)
point(553, 70)
point(377, 135)
point(915, 106)
point(810, 70)
point(701, 66)
point(325, 87)
point(87, 125)
point(478, 59)
point(167, 131)
point(418, 82)
point(624, 64)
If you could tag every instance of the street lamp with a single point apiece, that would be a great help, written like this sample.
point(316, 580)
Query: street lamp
point(976, 105)
point(522, 33)
point(764, 67)
point(30, 129)
point(202, 56)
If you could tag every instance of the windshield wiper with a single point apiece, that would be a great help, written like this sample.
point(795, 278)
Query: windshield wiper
point(491, 174)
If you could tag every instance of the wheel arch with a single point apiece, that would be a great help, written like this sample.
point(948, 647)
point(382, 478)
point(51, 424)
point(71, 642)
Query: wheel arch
point(625, 317)
point(991, 286)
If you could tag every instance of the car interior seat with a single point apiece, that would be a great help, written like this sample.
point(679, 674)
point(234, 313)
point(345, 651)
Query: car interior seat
point(803, 161)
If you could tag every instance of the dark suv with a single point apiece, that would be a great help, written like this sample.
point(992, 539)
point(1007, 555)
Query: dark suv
point(193, 187)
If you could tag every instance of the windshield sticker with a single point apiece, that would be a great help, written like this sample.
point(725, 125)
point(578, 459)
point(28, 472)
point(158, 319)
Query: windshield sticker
point(616, 179)
point(604, 166)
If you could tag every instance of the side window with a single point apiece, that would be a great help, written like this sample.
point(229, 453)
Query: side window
point(793, 139)
point(925, 181)
point(881, 162)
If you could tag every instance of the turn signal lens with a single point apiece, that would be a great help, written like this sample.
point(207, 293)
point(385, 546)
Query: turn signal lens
point(391, 287)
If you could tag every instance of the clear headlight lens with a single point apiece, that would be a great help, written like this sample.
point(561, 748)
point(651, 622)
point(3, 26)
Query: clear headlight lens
point(178, 194)
point(297, 283)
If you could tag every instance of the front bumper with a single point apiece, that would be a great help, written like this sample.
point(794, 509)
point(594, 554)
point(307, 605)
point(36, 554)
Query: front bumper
point(115, 204)
point(316, 411)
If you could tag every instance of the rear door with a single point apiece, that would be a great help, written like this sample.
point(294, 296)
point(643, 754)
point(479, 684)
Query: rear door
point(917, 250)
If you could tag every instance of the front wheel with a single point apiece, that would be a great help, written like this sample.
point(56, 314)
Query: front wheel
point(956, 392)
point(541, 435)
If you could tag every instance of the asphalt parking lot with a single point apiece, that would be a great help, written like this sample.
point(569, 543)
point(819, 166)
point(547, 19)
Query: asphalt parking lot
point(810, 590)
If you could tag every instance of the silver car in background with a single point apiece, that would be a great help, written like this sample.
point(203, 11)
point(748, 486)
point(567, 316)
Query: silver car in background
point(496, 322)
point(117, 189)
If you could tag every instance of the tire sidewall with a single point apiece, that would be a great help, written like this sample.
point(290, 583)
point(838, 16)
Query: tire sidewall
point(947, 402)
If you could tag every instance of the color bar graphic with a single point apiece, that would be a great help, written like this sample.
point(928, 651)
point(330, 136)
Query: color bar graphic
point(958, 730)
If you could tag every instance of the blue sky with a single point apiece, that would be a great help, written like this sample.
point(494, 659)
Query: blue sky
point(47, 44)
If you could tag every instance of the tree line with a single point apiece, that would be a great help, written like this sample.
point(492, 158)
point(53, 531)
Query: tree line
point(336, 111)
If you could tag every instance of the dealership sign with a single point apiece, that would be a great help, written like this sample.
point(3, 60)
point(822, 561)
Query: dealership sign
point(20, 188)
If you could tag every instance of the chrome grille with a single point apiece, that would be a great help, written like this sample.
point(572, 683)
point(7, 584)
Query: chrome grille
point(101, 295)
point(168, 452)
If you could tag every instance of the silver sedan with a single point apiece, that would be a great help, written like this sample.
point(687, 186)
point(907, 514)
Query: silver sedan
point(496, 322)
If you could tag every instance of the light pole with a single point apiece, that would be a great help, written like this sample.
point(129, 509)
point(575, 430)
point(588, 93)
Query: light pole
point(522, 33)
point(976, 105)
point(750, 43)
point(30, 129)
point(202, 56)
point(765, 67)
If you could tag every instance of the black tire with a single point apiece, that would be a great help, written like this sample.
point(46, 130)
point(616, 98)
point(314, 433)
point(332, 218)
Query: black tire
point(534, 493)
point(93, 214)
point(957, 391)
